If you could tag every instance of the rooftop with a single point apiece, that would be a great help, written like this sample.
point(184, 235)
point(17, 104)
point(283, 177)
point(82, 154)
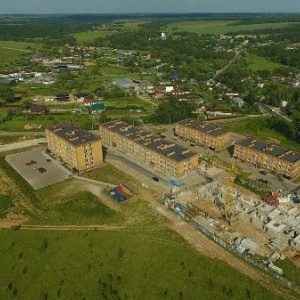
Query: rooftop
point(155, 142)
point(203, 127)
point(73, 134)
point(270, 149)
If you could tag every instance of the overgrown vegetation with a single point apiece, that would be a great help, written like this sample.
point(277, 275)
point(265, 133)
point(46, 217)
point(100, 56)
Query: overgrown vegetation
point(272, 129)
point(5, 203)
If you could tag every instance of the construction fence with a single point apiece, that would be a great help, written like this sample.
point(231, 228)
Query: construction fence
point(232, 249)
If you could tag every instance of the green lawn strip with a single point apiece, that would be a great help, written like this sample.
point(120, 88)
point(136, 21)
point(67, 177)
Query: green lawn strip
point(110, 174)
point(134, 264)
point(82, 208)
point(7, 139)
point(6, 202)
point(18, 123)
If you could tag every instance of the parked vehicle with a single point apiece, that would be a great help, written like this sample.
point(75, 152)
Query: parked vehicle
point(30, 162)
point(155, 179)
point(42, 170)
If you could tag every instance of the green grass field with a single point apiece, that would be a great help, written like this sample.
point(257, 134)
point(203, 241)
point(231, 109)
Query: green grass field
point(223, 27)
point(84, 38)
point(248, 125)
point(131, 264)
point(11, 51)
point(19, 45)
point(258, 63)
point(82, 208)
point(8, 57)
point(110, 174)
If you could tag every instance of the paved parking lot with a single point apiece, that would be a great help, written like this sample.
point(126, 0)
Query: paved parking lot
point(55, 171)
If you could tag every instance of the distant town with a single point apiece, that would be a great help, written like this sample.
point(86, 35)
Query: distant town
point(150, 144)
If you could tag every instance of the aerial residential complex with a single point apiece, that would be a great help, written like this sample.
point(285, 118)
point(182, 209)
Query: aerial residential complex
point(269, 157)
point(209, 135)
point(77, 147)
point(151, 149)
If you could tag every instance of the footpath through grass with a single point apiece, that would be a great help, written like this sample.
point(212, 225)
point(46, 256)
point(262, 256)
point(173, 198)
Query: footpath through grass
point(82, 208)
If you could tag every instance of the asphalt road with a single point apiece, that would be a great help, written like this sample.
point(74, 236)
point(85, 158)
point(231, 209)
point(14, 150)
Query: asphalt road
point(237, 55)
point(135, 166)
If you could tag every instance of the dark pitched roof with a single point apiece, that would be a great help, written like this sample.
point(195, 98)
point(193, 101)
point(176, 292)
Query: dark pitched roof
point(155, 142)
point(79, 95)
point(8, 81)
point(270, 149)
point(98, 106)
point(73, 134)
point(37, 108)
point(203, 127)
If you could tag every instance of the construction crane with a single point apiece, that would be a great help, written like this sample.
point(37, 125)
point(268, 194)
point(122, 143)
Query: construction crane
point(229, 198)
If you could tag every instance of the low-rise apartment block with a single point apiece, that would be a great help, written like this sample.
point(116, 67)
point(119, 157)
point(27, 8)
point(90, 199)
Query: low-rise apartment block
point(270, 157)
point(205, 134)
point(77, 147)
point(152, 149)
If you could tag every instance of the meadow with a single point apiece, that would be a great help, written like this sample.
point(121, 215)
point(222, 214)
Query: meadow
point(8, 57)
point(258, 63)
point(20, 45)
point(11, 52)
point(84, 38)
point(223, 27)
point(124, 264)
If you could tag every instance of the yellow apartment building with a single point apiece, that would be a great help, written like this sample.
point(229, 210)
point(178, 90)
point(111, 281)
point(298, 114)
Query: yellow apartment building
point(270, 157)
point(201, 133)
point(77, 147)
point(152, 149)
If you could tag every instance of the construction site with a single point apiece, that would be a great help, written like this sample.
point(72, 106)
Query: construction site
point(239, 219)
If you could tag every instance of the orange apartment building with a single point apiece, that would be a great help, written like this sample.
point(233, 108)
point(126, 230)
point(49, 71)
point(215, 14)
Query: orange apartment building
point(152, 149)
point(270, 157)
point(77, 147)
point(205, 134)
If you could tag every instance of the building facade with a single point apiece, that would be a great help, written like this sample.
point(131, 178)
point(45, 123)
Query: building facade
point(77, 147)
point(151, 149)
point(205, 134)
point(270, 157)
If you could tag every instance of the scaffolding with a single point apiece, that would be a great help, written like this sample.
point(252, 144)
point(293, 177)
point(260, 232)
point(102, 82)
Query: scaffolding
point(229, 196)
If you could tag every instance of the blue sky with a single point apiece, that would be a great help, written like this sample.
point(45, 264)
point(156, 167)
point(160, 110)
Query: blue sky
point(146, 6)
